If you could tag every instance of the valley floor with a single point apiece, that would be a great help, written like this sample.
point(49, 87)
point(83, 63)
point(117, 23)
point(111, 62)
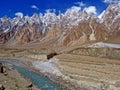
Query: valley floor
point(79, 71)
point(91, 72)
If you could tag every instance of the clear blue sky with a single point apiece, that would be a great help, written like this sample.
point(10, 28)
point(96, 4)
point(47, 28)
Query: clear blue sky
point(28, 7)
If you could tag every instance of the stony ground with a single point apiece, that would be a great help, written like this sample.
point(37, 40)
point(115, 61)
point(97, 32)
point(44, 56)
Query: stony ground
point(12, 80)
point(92, 72)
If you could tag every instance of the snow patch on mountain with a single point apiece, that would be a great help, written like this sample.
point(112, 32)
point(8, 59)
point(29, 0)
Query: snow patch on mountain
point(101, 15)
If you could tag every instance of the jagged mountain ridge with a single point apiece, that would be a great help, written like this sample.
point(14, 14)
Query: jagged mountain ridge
point(71, 28)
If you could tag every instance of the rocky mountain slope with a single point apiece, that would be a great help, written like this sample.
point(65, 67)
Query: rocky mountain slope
point(74, 27)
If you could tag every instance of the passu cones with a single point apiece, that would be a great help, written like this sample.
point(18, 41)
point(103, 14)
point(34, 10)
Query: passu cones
point(69, 29)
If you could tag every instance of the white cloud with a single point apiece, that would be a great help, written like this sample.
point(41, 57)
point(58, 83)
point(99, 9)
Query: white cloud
point(34, 7)
point(74, 9)
point(81, 4)
point(19, 14)
point(91, 10)
point(107, 1)
point(77, 9)
point(110, 1)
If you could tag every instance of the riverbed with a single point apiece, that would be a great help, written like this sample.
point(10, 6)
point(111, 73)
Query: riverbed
point(37, 79)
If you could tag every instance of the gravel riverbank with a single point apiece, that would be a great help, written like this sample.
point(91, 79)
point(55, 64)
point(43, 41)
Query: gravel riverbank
point(11, 79)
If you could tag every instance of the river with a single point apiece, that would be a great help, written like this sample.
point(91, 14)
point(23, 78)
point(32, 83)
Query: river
point(40, 81)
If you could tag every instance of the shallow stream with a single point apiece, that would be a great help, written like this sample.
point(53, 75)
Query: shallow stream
point(40, 81)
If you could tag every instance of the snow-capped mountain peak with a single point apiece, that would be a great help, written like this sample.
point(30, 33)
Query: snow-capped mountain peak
point(73, 26)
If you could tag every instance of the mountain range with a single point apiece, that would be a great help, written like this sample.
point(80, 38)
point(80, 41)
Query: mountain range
point(72, 28)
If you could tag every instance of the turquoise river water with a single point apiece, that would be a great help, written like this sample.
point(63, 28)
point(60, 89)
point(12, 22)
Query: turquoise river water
point(40, 81)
